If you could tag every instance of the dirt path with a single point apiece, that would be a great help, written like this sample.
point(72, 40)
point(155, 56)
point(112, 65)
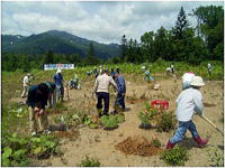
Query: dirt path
point(99, 144)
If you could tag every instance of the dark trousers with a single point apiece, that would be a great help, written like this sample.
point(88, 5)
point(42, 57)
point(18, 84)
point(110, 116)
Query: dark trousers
point(120, 101)
point(105, 97)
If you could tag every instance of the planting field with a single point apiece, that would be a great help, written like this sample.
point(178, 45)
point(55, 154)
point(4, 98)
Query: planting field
point(126, 145)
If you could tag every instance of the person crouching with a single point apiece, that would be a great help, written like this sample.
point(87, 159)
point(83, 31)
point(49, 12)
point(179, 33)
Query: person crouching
point(188, 102)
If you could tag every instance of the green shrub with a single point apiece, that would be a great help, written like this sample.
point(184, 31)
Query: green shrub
point(43, 146)
point(109, 122)
point(120, 117)
point(147, 116)
point(17, 151)
point(216, 157)
point(175, 157)
point(166, 122)
point(89, 162)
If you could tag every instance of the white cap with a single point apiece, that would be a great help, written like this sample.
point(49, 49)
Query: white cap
point(197, 81)
point(58, 71)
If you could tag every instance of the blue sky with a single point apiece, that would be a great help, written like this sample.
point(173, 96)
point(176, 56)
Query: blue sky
point(100, 21)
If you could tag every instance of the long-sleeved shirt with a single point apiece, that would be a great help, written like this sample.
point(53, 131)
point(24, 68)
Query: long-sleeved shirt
point(58, 79)
point(34, 97)
point(121, 85)
point(102, 83)
point(26, 81)
point(188, 102)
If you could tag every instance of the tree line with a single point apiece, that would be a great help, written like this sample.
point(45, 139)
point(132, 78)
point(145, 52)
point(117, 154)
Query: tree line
point(182, 42)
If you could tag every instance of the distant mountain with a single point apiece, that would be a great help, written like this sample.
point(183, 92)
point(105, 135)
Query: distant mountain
point(57, 41)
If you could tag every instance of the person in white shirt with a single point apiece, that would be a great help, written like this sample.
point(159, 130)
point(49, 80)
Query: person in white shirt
point(172, 68)
point(186, 79)
point(26, 84)
point(188, 102)
point(101, 88)
point(209, 68)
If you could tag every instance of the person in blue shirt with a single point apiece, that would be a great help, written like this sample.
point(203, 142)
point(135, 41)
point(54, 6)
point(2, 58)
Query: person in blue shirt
point(52, 95)
point(38, 96)
point(58, 79)
point(121, 84)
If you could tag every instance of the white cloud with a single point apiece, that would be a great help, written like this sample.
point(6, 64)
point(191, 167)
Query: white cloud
point(99, 21)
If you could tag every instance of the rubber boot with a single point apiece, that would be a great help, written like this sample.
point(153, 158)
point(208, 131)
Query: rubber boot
point(201, 142)
point(170, 145)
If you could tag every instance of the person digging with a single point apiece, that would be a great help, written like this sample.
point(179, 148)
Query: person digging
point(188, 102)
point(101, 89)
point(38, 96)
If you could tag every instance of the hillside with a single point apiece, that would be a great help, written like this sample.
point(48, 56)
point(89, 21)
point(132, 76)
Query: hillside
point(57, 41)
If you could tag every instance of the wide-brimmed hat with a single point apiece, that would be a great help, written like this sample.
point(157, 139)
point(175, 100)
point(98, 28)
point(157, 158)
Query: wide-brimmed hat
point(197, 81)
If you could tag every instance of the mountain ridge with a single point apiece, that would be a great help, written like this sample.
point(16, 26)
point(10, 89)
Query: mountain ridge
point(60, 42)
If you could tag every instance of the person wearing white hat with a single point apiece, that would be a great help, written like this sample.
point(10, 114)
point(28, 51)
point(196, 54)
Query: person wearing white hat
point(188, 102)
point(58, 79)
point(26, 84)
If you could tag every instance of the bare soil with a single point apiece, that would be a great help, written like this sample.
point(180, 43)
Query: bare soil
point(100, 143)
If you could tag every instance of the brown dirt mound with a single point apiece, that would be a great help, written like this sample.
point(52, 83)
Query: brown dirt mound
point(71, 134)
point(137, 146)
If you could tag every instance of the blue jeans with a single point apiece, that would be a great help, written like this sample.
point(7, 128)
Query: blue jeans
point(59, 92)
point(120, 100)
point(181, 130)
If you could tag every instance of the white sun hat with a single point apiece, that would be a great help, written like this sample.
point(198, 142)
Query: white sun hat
point(197, 81)
point(59, 71)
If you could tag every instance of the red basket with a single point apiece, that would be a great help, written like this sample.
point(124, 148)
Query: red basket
point(163, 104)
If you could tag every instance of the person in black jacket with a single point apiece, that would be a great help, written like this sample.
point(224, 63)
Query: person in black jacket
point(37, 99)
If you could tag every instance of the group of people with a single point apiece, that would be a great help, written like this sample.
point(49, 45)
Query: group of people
point(38, 97)
point(188, 102)
point(101, 90)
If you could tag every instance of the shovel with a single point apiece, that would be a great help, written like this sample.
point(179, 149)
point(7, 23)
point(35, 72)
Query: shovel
point(212, 124)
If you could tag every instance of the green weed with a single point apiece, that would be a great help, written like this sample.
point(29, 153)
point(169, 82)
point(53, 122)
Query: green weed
point(175, 157)
point(89, 162)
point(166, 122)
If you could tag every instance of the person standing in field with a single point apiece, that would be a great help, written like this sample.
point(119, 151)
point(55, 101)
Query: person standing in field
point(209, 68)
point(188, 102)
point(52, 94)
point(101, 89)
point(38, 96)
point(121, 85)
point(58, 79)
point(172, 68)
point(26, 84)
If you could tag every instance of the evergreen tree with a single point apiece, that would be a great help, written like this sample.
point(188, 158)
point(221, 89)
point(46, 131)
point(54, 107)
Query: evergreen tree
point(49, 58)
point(91, 59)
point(123, 47)
point(181, 24)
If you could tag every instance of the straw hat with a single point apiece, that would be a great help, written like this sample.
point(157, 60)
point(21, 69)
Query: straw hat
point(197, 81)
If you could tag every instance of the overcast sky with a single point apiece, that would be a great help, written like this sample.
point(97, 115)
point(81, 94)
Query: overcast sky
point(100, 21)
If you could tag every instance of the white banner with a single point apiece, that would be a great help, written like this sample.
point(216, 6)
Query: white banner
point(58, 66)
